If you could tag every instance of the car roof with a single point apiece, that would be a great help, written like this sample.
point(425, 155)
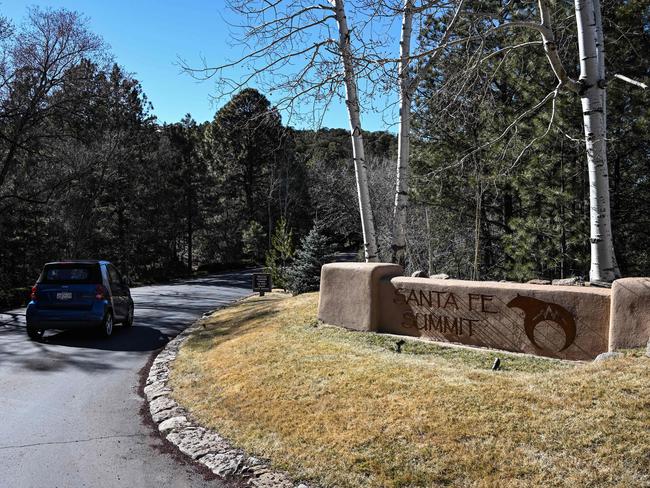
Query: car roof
point(79, 261)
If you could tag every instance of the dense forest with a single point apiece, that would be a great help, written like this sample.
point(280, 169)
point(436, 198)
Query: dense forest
point(518, 208)
point(86, 170)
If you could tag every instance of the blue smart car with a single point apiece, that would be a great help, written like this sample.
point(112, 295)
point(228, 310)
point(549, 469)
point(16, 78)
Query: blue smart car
point(79, 294)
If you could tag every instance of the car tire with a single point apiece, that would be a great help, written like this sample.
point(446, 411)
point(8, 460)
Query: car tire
point(35, 334)
point(128, 321)
point(106, 329)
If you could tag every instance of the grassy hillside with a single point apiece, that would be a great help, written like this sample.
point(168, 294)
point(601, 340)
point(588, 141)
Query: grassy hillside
point(341, 408)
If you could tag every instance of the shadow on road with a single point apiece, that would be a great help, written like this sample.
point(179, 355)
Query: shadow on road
point(161, 313)
point(17, 351)
point(136, 338)
point(241, 279)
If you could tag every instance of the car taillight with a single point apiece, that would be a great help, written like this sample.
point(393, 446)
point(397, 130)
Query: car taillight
point(34, 292)
point(100, 292)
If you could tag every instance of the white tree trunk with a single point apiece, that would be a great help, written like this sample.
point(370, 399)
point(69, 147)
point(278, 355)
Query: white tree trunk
point(593, 97)
point(400, 207)
point(352, 102)
point(407, 84)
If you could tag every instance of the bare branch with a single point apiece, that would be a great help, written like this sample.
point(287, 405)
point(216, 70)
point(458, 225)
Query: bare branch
point(513, 125)
point(548, 129)
point(631, 81)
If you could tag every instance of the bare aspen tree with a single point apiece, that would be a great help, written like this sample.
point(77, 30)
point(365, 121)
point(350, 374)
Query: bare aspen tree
point(591, 88)
point(290, 50)
point(400, 208)
point(407, 84)
point(354, 115)
point(593, 96)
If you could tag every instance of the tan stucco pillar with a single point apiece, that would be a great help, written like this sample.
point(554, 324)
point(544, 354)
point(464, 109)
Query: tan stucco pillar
point(630, 313)
point(349, 293)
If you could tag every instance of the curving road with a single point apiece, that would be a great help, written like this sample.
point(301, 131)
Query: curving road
point(69, 406)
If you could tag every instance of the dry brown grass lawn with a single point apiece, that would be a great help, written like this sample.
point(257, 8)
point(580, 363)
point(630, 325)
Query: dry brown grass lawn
point(340, 408)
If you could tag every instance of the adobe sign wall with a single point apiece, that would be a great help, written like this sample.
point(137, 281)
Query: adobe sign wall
point(564, 322)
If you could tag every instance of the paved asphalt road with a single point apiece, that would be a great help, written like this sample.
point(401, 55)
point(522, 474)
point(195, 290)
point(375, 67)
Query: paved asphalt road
point(69, 406)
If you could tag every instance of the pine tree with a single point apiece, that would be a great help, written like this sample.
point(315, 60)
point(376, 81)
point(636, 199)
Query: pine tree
point(252, 242)
point(243, 145)
point(304, 274)
point(281, 254)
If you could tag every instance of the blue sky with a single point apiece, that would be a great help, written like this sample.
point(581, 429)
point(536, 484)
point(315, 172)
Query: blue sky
point(146, 37)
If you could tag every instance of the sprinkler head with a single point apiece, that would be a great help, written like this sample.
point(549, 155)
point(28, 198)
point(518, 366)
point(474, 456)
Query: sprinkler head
point(497, 365)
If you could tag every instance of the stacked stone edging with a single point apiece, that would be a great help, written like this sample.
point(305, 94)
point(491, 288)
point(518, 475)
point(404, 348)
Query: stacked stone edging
point(201, 444)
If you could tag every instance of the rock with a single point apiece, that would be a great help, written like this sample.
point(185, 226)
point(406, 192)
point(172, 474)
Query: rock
point(271, 480)
point(160, 404)
point(158, 373)
point(419, 274)
point(608, 355)
point(224, 464)
point(573, 281)
point(167, 414)
point(647, 349)
point(197, 442)
point(190, 441)
point(173, 423)
point(156, 390)
point(539, 282)
point(439, 276)
point(253, 461)
point(259, 470)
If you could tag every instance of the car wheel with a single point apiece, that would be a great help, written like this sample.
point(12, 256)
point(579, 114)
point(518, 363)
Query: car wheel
point(128, 321)
point(35, 334)
point(107, 325)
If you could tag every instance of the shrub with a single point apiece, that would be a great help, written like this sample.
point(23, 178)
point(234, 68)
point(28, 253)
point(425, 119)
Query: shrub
point(304, 273)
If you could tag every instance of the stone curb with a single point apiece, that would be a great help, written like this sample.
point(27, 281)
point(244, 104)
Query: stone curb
point(201, 444)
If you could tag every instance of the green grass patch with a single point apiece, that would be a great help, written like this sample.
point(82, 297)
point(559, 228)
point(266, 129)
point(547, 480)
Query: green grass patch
point(472, 357)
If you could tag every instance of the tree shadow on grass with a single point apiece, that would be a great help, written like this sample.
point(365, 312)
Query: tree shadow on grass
point(219, 331)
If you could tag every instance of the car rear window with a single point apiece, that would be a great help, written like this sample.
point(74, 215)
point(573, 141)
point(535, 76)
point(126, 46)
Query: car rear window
point(71, 273)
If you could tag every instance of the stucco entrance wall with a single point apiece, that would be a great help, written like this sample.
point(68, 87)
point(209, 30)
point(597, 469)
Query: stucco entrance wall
point(567, 322)
point(349, 293)
point(630, 317)
point(564, 322)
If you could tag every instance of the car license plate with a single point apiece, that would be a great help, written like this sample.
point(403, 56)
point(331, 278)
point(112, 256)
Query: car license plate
point(64, 295)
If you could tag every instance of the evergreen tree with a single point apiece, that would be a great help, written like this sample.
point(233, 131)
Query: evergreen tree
point(253, 242)
point(502, 204)
point(304, 273)
point(188, 176)
point(281, 254)
point(244, 146)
